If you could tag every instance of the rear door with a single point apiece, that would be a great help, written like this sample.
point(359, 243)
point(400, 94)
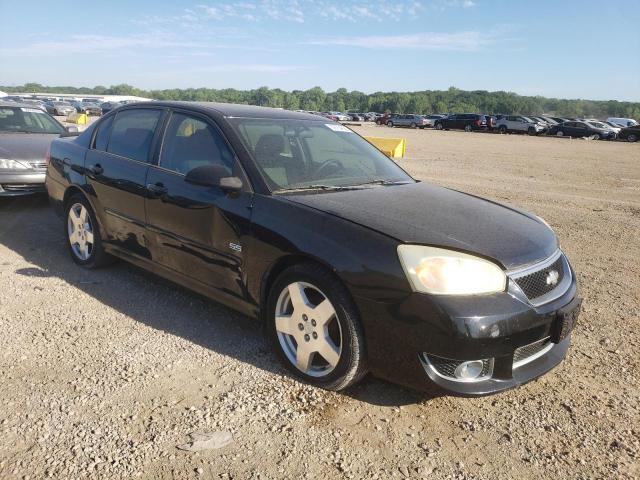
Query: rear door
point(116, 168)
point(193, 229)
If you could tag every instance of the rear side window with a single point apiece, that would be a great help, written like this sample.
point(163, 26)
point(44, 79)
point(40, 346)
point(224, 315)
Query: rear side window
point(190, 142)
point(102, 136)
point(132, 133)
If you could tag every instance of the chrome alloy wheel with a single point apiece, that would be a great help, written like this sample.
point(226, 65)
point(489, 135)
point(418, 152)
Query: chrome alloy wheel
point(308, 329)
point(80, 231)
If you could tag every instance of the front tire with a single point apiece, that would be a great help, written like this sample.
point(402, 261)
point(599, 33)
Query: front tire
point(468, 128)
point(315, 327)
point(632, 137)
point(389, 124)
point(413, 125)
point(559, 133)
point(83, 234)
point(438, 126)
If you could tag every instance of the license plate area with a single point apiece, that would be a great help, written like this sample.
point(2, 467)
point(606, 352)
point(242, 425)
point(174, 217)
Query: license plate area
point(566, 319)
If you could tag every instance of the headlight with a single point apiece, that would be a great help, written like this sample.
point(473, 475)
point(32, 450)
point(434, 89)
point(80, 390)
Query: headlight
point(446, 272)
point(7, 164)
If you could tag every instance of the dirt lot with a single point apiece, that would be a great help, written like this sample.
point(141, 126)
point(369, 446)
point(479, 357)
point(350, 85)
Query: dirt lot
point(104, 373)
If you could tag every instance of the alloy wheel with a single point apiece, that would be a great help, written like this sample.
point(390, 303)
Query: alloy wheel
point(560, 133)
point(632, 138)
point(80, 231)
point(308, 329)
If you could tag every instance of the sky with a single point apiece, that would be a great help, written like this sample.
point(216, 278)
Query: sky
point(567, 49)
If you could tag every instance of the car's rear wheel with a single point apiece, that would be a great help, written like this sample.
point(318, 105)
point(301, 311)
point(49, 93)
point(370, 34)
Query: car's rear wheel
point(438, 126)
point(83, 234)
point(502, 129)
point(532, 131)
point(467, 128)
point(389, 123)
point(595, 136)
point(315, 328)
point(560, 133)
point(632, 137)
point(413, 125)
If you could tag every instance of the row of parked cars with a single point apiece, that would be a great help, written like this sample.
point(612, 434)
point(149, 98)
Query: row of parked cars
point(62, 108)
point(609, 129)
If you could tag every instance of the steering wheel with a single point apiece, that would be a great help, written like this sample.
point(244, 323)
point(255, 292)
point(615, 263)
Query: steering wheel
point(326, 164)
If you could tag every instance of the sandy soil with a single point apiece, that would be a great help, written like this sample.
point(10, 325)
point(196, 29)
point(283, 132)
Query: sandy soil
point(104, 373)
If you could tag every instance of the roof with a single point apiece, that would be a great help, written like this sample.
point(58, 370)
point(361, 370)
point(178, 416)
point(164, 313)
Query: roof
point(16, 104)
point(243, 111)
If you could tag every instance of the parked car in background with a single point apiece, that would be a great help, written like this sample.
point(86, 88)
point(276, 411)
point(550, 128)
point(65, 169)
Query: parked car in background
point(442, 291)
point(330, 116)
point(382, 120)
point(35, 103)
point(462, 121)
point(407, 120)
point(520, 124)
point(25, 135)
point(87, 107)
point(630, 134)
point(581, 129)
point(106, 107)
point(356, 117)
point(492, 121)
point(606, 126)
point(59, 108)
point(623, 122)
point(430, 119)
point(614, 126)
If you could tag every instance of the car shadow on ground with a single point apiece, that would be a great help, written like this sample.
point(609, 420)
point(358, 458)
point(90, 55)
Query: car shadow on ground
point(29, 227)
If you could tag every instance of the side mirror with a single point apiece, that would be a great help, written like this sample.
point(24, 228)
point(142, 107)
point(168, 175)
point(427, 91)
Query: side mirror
point(72, 129)
point(214, 176)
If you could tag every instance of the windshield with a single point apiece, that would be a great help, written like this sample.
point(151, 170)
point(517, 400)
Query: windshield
point(27, 120)
point(598, 124)
point(293, 154)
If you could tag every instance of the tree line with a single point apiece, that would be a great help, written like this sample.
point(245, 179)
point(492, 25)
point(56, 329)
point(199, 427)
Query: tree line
point(421, 102)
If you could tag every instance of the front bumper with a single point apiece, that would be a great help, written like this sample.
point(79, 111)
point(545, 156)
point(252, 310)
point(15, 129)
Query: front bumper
point(14, 183)
point(401, 336)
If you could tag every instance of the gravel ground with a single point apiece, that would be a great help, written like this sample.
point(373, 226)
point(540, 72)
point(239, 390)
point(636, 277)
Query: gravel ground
point(105, 373)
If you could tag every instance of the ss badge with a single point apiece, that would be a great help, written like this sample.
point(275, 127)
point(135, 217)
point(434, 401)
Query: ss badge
point(236, 247)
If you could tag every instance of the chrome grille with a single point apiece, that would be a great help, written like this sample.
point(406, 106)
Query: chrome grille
point(522, 354)
point(536, 284)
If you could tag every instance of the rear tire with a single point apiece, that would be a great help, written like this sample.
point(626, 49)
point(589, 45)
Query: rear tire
point(468, 128)
point(532, 131)
point(83, 234)
point(559, 133)
point(503, 129)
point(438, 126)
point(632, 137)
point(413, 125)
point(390, 124)
point(309, 312)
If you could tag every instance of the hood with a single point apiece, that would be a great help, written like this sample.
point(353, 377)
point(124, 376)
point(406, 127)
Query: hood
point(423, 213)
point(25, 146)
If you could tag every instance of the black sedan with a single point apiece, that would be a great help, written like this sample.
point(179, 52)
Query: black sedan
point(630, 134)
point(582, 129)
point(352, 265)
point(26, 131)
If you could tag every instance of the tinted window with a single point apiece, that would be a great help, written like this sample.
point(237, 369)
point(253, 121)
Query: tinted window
point(102, 136)
point(132, 133)
point(28, 120)
point(190, 142)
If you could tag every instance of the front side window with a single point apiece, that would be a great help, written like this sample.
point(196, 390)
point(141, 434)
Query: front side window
point(294, 154)
point(27, 120)
point(190, 142)
point(132, 133)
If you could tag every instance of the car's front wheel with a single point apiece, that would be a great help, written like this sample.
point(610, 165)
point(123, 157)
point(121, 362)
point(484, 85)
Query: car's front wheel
point(315, 328)
point(83, 234)
point(438, 126)
point(389, 124)
point(467, 128)
point(559, 133)
point(502, 129)
point(632, 137)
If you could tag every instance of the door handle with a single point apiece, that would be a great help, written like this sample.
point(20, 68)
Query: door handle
point(96, 169)
point(157, 189)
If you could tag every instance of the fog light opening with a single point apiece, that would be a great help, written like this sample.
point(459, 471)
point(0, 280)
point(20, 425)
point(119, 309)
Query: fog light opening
point(469, 370)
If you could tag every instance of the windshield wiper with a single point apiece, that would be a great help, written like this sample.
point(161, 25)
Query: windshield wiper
point(384, 182)
point(307, 188)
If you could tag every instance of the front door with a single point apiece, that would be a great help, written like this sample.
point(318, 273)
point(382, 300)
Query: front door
point(198, 231)
point(116, 168)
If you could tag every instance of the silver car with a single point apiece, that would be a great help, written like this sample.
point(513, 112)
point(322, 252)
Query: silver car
point(408, 120)
point(25, 135)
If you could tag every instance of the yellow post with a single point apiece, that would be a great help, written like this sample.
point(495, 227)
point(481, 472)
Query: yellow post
point(391, 147)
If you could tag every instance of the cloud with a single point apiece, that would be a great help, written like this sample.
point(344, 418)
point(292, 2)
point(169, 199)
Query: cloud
point(460, 41)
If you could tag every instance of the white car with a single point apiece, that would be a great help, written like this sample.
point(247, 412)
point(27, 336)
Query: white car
point(623, 122)
point(517, 123)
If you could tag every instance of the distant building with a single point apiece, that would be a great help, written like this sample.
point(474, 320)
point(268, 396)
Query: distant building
point(80, 96)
